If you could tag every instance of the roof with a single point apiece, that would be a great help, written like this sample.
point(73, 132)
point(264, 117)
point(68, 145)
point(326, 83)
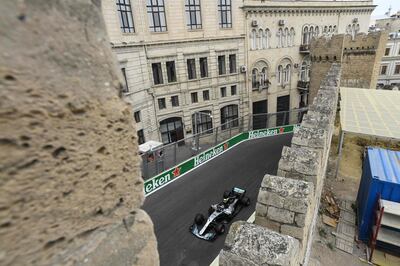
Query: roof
point(370, 112)
point(149, 145)
point(385, 164)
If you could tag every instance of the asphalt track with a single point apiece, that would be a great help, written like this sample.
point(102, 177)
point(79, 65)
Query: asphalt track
point(173, 207)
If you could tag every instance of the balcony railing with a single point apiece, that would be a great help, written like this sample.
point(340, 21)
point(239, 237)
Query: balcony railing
point(303, 85)
point(304, 48)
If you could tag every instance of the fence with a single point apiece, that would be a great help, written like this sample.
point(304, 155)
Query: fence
point(169, 155)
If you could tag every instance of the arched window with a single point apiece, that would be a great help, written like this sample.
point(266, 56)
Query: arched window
point(254, 79)
point(310, 34)
point(325, 30)
point(330, 30)
point(264, 77)
point(171, 129)
point(305, 71)
point(286, 74)
point(334, 29)
point(280, 37)
point(204, 122)
point(280, 74)
point(253, 38)
point(291, 43)
point(305, 35)
point(286, 38)
point(259, 39)
point(316, 31)
point(267, 36)
point(229, 116)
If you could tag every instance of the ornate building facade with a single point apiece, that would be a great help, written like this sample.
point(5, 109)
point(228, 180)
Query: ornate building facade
point(213, 61)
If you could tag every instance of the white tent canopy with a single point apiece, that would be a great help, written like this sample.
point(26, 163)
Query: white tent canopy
point(370, 112)
point(149, 145)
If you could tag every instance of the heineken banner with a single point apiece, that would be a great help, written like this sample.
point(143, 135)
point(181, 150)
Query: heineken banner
point(167, 176)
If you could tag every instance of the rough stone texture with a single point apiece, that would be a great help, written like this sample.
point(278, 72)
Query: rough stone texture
point(287, 187)
point(280, 215)
point(271, 199)
point(69, 169)
point(299, 163)
point(261, 209)
point(293, 231)
point(250, 244)
point(300, 219)
point(310, 137)
point(360, 58)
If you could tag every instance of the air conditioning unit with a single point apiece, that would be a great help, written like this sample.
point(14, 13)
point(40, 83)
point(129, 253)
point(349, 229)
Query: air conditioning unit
point(355, 20)
point(254, 23)
point(243, 69)
point(281, 22)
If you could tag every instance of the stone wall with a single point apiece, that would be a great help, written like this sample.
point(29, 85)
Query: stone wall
point(288, 203)
point(359, 56)
point(70, 183)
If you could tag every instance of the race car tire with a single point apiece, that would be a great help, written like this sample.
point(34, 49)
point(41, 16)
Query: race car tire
point(210, 210)
point(220, 229)
point(227, 193)
point(245, 201)
point(199, 219)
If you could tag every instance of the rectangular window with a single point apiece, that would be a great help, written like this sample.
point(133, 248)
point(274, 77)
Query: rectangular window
point(161, 103)
point(233, 90)
point(191, 68)
point(225, 13)
point(206, 95)
point(221, 65)
point(140, 135)
point(125, 87)
point(193, 95)
point(232, 63)
point(397, 70)
point(156, 14)
point(193, 15)
point(383, 70)
point(223, 91)
point(203, 67)
point(137, 116)
point(175, 100)
point(387, 51)
point(157, 73)
point(125, 15)
point(171, 73)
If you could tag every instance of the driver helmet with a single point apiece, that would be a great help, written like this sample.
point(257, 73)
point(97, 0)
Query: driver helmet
point(226, 200)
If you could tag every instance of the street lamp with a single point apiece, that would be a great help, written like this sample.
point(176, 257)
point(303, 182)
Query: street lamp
point(197, 134)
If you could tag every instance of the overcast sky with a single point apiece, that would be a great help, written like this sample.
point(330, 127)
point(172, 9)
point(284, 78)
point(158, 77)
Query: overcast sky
point(383, 6)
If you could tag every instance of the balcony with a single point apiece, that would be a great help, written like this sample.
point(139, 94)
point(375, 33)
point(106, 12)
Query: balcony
point(304, 48)
point(303, 86)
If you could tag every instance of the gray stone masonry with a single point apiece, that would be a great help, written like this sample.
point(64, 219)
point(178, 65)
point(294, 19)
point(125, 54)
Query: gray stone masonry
point(299, 163)
point(251, 245)
point(283, 200)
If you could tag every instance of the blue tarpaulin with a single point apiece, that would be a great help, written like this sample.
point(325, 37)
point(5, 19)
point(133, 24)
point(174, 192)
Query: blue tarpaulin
point(380, 177)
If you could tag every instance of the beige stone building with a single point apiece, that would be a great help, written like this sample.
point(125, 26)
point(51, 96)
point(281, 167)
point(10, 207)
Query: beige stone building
point(389, 73)
point(219, 60)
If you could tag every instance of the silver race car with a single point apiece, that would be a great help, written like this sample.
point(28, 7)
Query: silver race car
point(219, 214)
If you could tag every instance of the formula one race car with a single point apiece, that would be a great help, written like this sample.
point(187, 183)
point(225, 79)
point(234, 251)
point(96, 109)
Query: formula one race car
point(219, 214)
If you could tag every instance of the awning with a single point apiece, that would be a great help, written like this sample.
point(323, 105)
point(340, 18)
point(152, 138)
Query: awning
point(370, 112)
point(149, 145)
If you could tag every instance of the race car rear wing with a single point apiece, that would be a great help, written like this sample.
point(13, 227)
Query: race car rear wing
point(238, 190)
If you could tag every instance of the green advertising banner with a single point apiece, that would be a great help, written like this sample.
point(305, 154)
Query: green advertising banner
point(167, 176)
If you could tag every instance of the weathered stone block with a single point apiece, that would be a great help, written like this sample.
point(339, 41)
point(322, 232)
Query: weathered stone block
point(299, 219)
point(285, 187)
point(270, 198)
point(261, 209)
point(310, 137)
point(293, 231)
point(280, 215)
point(301, 160)
point(299, 205)
point(250, 244)
point(263, 221)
